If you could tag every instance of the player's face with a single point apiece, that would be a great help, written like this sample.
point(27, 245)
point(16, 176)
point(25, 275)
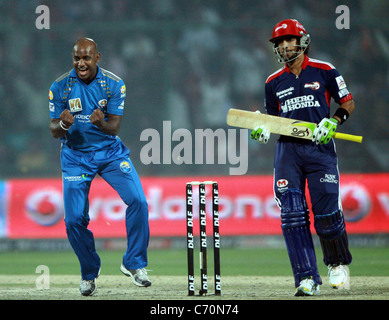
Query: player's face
point(288, 47)
point(85, 59)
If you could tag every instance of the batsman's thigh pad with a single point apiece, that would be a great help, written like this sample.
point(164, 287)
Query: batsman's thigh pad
point(331, 230)
point(295, 228)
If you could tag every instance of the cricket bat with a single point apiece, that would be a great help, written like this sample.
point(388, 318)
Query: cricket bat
point(279, 125)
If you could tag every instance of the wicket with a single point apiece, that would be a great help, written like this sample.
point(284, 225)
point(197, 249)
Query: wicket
point(203, 236)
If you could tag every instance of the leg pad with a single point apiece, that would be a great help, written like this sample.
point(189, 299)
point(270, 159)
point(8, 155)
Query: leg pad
point(295, 228)
point(331, 230)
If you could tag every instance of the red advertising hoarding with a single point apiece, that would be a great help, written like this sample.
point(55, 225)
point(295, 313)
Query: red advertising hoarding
point(247, 206)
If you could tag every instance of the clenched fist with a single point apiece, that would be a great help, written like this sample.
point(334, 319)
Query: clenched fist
point(97, 118)
point(67, 118)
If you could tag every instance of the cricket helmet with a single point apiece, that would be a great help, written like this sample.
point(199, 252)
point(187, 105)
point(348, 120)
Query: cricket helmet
point(290, 28)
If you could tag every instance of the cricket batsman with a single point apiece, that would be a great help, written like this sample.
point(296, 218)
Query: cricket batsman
point(302, 90)
point(86, 108)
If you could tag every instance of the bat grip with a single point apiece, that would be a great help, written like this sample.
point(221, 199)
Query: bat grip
point(349, 137)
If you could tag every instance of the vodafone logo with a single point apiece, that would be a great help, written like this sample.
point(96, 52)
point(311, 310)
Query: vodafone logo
point(45, 207)
point(356, 202)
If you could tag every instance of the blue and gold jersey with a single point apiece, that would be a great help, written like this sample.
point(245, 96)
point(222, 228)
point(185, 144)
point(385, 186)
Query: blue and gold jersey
point(305, 97)
point(106, 92)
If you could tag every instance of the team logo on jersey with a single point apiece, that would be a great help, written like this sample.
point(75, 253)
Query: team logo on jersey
point(102, 103)
point(50, 95)
point(75, 105)
point(314, 85)
point(125, 166)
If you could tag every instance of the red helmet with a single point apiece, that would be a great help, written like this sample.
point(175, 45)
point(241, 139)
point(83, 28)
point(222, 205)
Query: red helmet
point(288, 27)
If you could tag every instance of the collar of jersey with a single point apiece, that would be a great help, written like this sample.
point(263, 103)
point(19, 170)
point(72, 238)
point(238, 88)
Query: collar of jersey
point(73, 74)
point(303, 66)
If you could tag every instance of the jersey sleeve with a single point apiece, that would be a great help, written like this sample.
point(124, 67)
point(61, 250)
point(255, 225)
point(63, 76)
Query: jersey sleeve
point(56, 104)
point(337, 87)
point(115, 103)
point(271, 101)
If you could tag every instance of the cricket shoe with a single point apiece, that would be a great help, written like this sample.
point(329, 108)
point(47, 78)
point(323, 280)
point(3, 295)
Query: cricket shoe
point(307, 287)
point(338, 276)
point(89, 287)
point(138, 276)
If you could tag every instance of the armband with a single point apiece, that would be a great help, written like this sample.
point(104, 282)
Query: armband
point(342, 114)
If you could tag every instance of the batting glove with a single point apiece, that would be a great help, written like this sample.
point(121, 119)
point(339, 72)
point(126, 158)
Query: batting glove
point(324, 131)
point(260, 134)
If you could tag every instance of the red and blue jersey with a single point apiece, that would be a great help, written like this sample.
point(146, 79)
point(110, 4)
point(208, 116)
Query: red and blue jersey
point(306, 96)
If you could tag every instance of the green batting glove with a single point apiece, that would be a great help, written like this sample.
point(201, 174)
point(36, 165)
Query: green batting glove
point(260, 134)
point(324, 131)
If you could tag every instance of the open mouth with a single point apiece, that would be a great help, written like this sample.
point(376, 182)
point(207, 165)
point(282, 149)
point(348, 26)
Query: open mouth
point(83, 71)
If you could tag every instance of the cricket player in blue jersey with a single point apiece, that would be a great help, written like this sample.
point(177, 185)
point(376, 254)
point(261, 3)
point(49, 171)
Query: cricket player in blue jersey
point(302, 89)
point(86, 107)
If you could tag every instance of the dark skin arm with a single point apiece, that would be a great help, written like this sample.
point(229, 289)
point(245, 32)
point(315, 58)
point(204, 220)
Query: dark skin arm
point(110, 127)
point(55, 129)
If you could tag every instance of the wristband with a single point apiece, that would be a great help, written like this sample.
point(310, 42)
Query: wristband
point(62, 125)
point(342, 114)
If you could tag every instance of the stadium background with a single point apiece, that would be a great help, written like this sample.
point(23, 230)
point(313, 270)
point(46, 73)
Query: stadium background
point(185, 61)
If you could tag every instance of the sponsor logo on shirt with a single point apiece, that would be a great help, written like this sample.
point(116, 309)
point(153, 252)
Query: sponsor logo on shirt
point(123, 91)
point(342, 93)
point(301, 102)
point(282, 185)
point(340, 82)
point(314, 85)
point(329, 178)
point(284, 93)
point(76, 178)
point(75, 105)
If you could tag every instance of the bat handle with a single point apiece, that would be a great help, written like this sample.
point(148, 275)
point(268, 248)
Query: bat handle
point(349, 137)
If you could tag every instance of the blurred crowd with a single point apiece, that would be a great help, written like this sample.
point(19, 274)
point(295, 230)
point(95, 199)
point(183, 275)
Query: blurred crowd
point(187, 61)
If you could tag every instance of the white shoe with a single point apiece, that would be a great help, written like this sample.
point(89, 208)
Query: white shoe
point(307, 287)
point(338, 276)
point(89, 287)
point(138, 276)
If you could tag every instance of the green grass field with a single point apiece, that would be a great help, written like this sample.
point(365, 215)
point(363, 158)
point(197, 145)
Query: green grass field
point(248, 262)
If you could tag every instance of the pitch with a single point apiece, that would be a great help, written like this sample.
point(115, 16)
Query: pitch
point(118, 287)
point(246, 274)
